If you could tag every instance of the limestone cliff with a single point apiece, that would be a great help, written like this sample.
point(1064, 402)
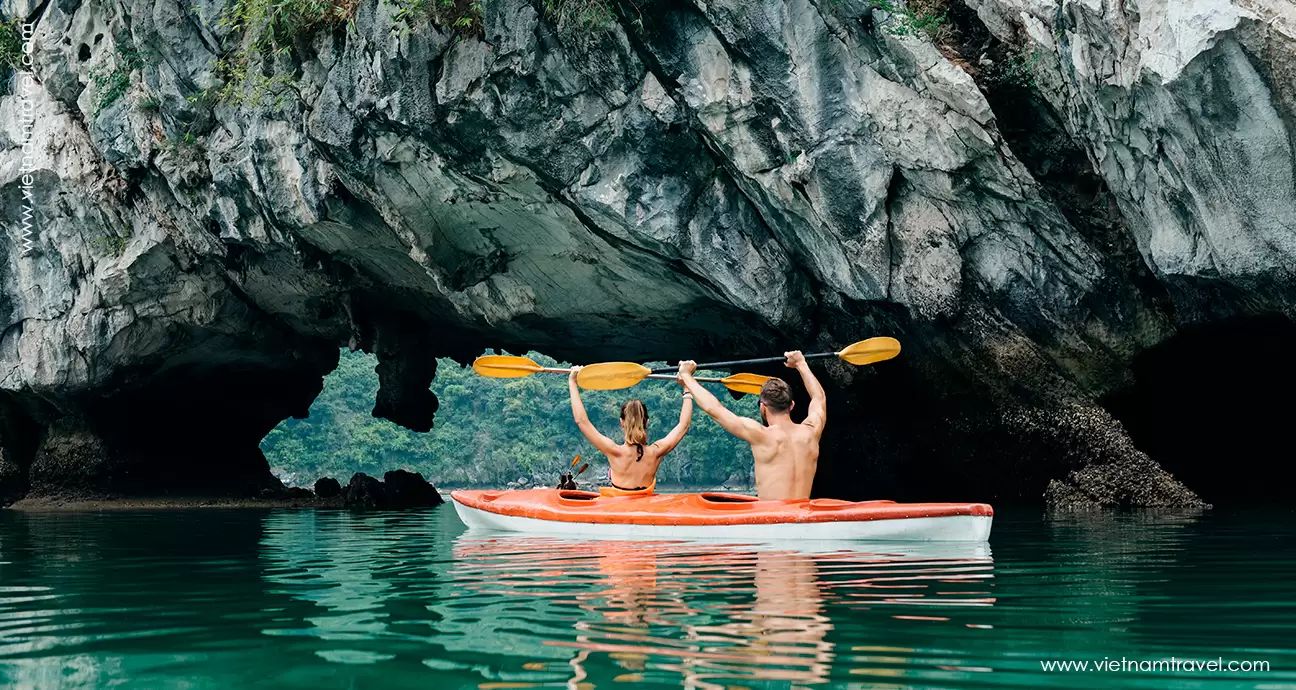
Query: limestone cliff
point(1028, 197)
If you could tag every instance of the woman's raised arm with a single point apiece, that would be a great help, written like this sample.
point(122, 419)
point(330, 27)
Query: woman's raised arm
point(604, 444)
point(676, 435)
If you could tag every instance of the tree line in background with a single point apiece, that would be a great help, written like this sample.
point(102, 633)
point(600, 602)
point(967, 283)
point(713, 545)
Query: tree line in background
point(495, 432)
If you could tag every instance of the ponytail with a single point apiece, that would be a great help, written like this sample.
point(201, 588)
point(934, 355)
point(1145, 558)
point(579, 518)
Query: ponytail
point(634, 419)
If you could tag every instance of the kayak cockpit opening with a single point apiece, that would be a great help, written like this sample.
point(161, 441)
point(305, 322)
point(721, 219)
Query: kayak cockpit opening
point(578, 495)
point(728, 498)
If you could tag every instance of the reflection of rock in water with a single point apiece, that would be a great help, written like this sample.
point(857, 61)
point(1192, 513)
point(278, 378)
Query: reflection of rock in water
point(709, 614)
point(1096, 555)
point(310, 547)
point(80, 593)
point(347, 567)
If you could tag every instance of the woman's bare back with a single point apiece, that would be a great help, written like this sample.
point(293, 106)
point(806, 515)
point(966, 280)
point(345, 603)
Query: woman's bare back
point(628, 471)
point(630, 466)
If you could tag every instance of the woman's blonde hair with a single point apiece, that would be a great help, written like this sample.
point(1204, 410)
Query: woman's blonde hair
point(634, 419)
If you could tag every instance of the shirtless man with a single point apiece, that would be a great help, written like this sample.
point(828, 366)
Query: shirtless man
point(786, 453)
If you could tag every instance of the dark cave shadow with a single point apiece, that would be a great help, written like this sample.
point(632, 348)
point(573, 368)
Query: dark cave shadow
point(1214, 405)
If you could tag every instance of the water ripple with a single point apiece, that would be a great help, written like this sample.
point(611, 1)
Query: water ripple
point(305, 599)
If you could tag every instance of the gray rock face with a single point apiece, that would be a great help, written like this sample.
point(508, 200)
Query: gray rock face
point(720, 178)
point(1186, 110)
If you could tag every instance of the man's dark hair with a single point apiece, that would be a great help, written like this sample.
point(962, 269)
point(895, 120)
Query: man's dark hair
point(776, 395)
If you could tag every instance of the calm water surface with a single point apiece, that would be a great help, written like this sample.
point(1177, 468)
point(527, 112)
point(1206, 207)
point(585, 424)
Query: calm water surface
point(303, 599)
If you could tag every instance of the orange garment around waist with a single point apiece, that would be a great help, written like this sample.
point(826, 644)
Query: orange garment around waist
point(612, 491)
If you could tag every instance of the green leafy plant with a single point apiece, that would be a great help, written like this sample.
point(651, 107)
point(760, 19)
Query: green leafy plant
point(265, 29)
point(410, 11)
point(113, 82)
point(244, 82)
point(463, 17)
point(10, 45)
point(10, 51)
point(1020, 68)
point(272, 25)
point(1016, 68)
point(112, 244)
point(914, 17)
point(187, 144)
point(586, 15)
point(148, 104)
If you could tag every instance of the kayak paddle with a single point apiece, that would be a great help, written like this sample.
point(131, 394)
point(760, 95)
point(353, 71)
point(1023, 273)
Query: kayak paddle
point(506, 367)
point(607, 376)
point(612, 375)
point(861, 353)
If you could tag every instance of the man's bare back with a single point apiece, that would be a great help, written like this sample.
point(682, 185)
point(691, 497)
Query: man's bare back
point(786, 453)
point(786, 460)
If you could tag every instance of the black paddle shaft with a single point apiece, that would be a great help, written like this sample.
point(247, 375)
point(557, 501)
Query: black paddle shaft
point(744, 362)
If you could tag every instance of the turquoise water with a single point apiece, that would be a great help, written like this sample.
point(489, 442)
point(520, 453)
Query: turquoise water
point(319, 599)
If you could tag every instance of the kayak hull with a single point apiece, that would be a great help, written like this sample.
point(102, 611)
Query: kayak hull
point(729, 516)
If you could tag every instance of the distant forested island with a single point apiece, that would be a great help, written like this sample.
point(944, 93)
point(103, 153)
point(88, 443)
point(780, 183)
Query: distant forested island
point(493, 432)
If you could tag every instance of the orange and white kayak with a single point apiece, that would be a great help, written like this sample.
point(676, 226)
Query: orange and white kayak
point(719, 515)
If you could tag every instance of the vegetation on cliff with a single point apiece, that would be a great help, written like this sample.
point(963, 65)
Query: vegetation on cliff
point(914, 18)
point(10, 50)
point(490, 432)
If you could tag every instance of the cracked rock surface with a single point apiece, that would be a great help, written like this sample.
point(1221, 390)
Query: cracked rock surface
point(724, 178)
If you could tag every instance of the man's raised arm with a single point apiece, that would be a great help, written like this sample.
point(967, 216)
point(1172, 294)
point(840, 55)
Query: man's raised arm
point(742, 427)
point(817, 413)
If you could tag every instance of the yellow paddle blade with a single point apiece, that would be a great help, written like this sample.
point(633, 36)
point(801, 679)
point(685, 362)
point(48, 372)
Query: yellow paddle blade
point(505, 367)
point(745, 383)
point(871, 350)
point(608, 376)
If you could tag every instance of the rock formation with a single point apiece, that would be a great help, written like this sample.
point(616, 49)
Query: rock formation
point(398, 489)
point(1028, 198)
point(327, 487)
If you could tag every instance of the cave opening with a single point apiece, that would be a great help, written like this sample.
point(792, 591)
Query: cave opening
point(1214, 406)
point(495, 432)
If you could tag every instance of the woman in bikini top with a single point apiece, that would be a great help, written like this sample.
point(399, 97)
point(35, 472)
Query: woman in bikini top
point(632, 464)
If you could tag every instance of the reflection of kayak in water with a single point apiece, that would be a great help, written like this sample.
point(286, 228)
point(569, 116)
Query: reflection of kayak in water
point(730, 516)
point(714, 613)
